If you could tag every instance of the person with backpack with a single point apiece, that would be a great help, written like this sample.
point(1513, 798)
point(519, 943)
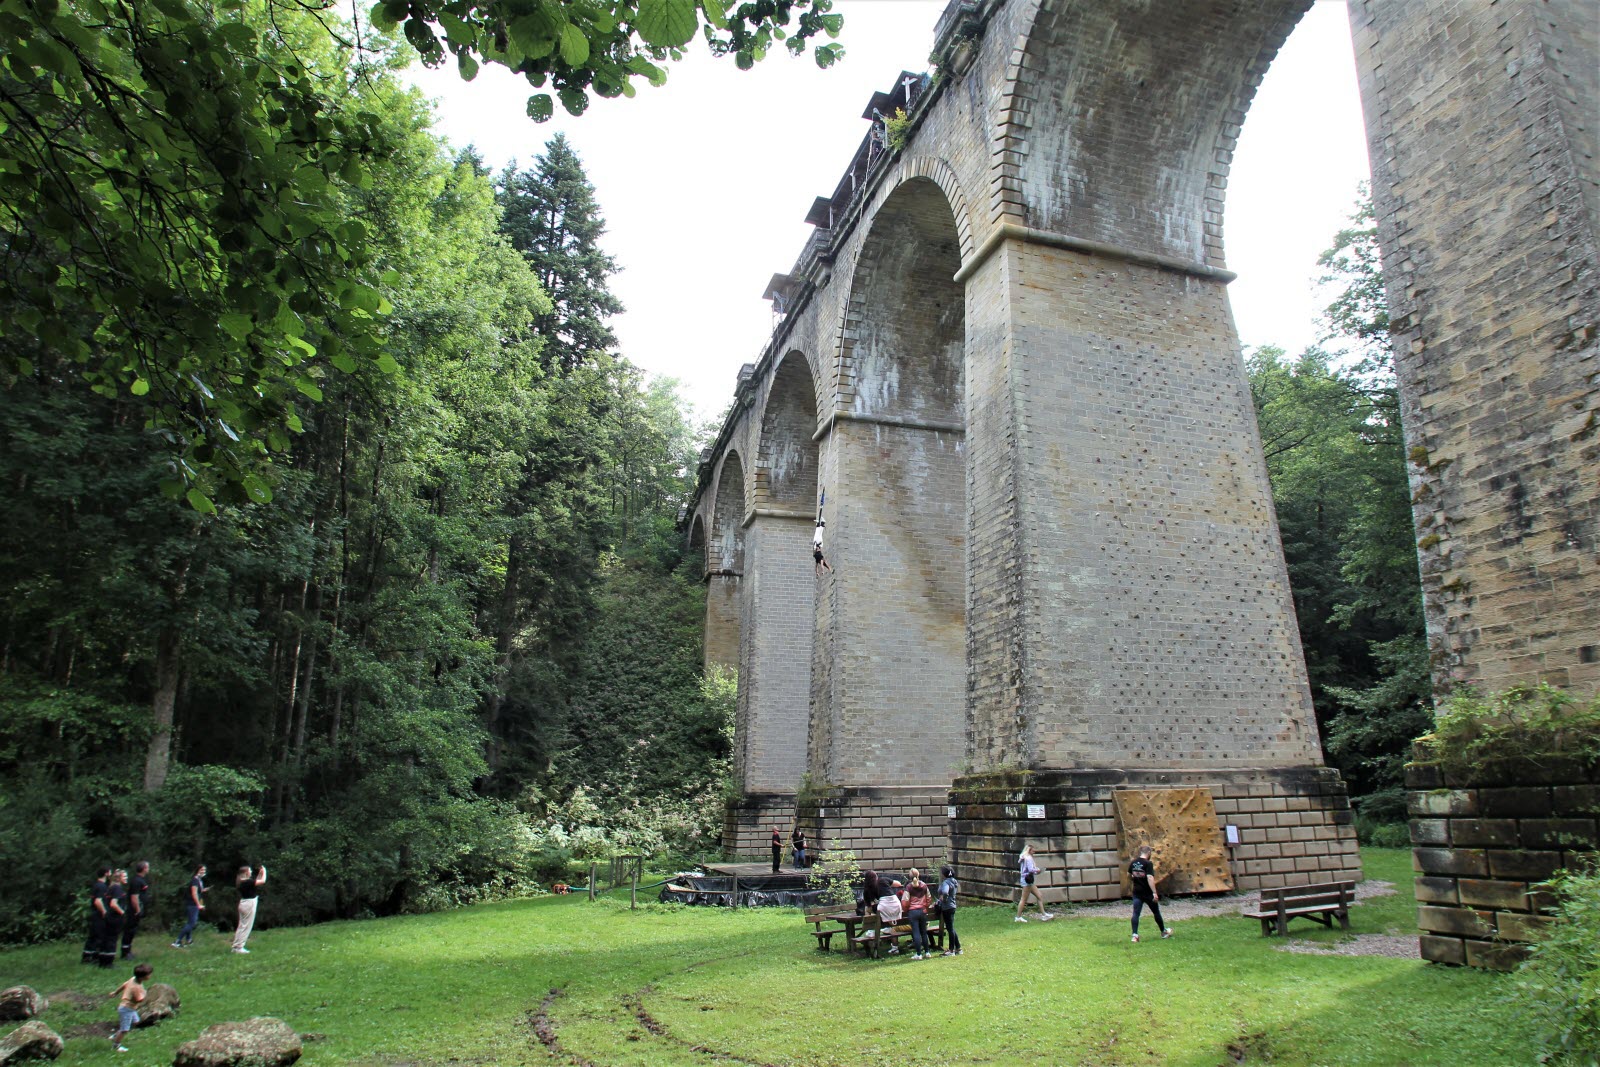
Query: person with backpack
point(946, 904)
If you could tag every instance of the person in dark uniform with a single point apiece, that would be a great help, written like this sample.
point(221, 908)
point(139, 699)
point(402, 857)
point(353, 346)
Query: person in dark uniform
point(116, 914)
point(777, 850)
point(98, 890)
point(139, 895)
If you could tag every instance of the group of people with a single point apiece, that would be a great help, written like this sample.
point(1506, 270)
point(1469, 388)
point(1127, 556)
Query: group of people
point(119, 903)
point(891, 903)
point(1141, 875)
point(797, 849)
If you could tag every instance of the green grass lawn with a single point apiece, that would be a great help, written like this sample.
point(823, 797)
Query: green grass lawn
point(669, 986)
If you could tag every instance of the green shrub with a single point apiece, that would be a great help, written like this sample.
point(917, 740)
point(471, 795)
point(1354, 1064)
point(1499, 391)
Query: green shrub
point(836, 873)
point(1558, 988)
point(1472, 730)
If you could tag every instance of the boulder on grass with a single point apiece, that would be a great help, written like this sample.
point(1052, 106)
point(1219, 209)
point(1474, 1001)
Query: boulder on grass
point(30, 1041)
point(259, 1042)
point(160, 1002)
point(19, 1002)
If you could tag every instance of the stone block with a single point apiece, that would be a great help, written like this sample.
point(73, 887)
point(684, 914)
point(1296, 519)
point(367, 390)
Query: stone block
point(1523, 864)
point(1466, 862)
point(1575, 800)
point(1484, 833)
point(1436, 890)
point(1568, 835)
point(1494, 956)
point(1442, 802)
point(1436, 949)
point(1462, 922)
point(1514, 926)
point(1487, 893)
point(1515, 802)
point(1430, 831)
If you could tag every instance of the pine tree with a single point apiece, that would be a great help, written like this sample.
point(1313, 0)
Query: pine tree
point(552, 218)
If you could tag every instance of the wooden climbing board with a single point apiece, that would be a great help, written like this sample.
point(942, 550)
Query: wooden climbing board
point(1181, 825)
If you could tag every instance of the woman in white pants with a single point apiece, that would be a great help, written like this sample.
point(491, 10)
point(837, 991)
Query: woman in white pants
point(249, 884)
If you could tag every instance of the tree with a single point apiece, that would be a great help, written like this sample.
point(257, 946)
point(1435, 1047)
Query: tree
point(551, 216)
point(600, 46)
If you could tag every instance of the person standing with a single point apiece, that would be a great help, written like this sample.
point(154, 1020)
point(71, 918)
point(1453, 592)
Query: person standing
point(797, 840)
point(919, 901)
point(116, 915)
point(948, 888)
point(249, 884)
point(777, 850)
point(1142, 873)
point(1027, 870)
point(139, 894)
point(194, 902)
point(98, 890)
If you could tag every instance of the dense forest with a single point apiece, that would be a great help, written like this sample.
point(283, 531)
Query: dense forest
point(408, 631)
point(339, 534)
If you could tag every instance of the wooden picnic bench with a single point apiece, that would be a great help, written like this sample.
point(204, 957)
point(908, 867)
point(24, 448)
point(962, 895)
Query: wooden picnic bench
point(1323, 902)
point(819, 918)
point(872, 943)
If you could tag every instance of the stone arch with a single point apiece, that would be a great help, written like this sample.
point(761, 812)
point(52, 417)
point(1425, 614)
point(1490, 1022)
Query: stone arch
point(892, 614)
point(1118, 128)
point(726, 544)
point(936, 170)
point(903, 278)
point(786, 453)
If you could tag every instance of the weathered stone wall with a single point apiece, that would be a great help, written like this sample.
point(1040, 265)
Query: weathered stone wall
point(1294, 824)
point(747, 825)
point(775, 677)
point(887, 829)
point(722, 620)
point(1483, 845)
point(1482, 119)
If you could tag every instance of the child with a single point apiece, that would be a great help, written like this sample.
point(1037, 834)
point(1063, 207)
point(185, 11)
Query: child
point(1142, 873)
point(1027, 869)
point(132, 994)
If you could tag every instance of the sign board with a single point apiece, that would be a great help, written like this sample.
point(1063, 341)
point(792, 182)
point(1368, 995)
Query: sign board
point(1231, 833)
point(950, 811)
point(1035, 811)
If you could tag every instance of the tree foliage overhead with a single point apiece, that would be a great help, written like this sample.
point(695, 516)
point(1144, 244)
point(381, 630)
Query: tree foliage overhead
point(365, 671)
point(579, 47)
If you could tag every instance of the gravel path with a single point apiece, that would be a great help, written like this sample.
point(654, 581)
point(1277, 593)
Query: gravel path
point(1398, 946)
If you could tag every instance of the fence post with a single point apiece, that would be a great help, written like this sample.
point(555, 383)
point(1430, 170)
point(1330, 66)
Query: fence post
point(733, 901)
point(594, 870)
point(633, 894)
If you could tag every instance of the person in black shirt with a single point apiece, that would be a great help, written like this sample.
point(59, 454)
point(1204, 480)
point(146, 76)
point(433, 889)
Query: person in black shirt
point(249, 884)
point(1142, 873)
point(97, 914)
point(193, 904)
point(777, 849)
point(116, 913)
point(138, 904)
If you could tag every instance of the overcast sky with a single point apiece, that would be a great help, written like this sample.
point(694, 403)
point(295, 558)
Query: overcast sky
point(704, 182)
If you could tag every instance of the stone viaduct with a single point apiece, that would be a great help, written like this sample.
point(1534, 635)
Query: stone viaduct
point(1008, 359)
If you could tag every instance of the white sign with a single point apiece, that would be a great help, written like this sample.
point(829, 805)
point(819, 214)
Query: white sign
point(1035, 811)
point(950, 811)
point(1233, 834)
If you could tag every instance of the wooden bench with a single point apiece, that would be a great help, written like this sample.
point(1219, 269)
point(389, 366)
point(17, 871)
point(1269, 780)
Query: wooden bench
point(872, 943)
point(820, 918)
point(1323, 902)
